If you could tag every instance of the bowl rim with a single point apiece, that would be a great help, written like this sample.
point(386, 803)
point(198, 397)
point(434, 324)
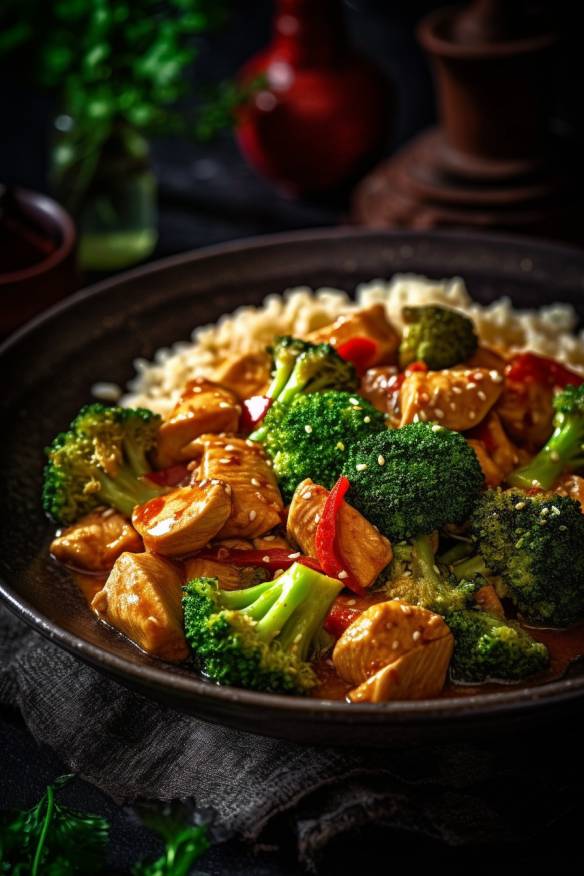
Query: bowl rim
point(483, 705)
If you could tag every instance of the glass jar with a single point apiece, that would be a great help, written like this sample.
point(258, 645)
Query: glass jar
point(103, 176)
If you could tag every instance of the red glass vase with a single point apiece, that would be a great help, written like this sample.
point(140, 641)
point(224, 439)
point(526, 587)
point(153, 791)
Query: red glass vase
point(321, 114)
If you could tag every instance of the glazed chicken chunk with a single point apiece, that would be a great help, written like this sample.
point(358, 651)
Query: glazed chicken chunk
point(229, 576)
point(394, 651)
point(497, 455)
point(142, 599)
point(526, 411)
point(203, 407)
point(184, 520)
point(96, 541)
point(245, 375)
point(365, 551)
point(457, 399)
point(256, 503)
point(371, 323)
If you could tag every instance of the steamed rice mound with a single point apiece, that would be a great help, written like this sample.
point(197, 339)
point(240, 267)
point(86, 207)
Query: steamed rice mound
point(548, 331)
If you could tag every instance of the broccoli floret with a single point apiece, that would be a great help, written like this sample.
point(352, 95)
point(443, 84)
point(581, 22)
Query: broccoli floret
point(261, 637)
point(302, 367)
point(438, 336)
point(488, 648)
point(536, 544)
point(310, 437)
point(416, 578)
point(100, 460)
point(413, 480)
point(564, 450)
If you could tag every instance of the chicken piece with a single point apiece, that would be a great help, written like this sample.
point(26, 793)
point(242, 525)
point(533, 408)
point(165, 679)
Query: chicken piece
point(142, 599)
point(381, 386)
point(184, 520)
point(491, 471)
point(96, 541)
point(229, 577)
point(526, 412)
point(371, 323)
point(237, 544)
point(364, 550)
point(486, 598)
point(271, 543)
point(457, 400)
point(571, 485)
point(246, 375)
point(203, 407)
point(256, 503)
point(497, 444)
point(394, 651)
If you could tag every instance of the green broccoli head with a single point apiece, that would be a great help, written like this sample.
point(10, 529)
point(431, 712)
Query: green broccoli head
point(310, 437)
point(565, 448)
point(300, 366)
point(488, 648)
point(261, 637)
point(536, 544)
point(100, 460)
point(438, 336)
point(416, 577)
point(413, 480)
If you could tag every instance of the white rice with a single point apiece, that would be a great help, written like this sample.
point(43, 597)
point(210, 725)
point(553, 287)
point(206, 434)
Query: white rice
point(548, 331)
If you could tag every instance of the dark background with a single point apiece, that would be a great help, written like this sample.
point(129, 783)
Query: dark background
point(207, 195)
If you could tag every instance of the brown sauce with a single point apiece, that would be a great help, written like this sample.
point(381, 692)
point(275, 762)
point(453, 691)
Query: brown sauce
point(89, 584)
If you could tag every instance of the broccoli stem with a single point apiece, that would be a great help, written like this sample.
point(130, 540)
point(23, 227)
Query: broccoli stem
point(124, 491)
point(300, 631)
point(279, 380)
point(470, 568)
point(457, 552)
point(424, 562)
point(545, 468)
point(137, 460)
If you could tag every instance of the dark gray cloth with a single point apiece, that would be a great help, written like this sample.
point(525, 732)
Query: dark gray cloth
point(131, 747)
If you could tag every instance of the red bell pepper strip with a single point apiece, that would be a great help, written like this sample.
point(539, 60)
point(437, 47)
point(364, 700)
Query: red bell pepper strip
point(540, 369)
point(339, 618)
point(360, 351)
point(254, 410)
point(415, 366)
point(273, 559)
point(327, 549)
point(171, 476)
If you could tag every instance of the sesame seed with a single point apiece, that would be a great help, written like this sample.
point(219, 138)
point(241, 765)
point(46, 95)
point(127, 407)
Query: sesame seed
point(481, 395)
point(252, 515)
point(297, 638)
point(457, 390)
point(351, 602)
point(423, 415)
point(406, 609)
point(230, 447)
point(416, 636)
point(108, 512)
point(255, 482)
point(472, 415)
point(395, 645)
point(308, 428)
point(342, 575)
point(381, 460)
point(436, 569)
point(520, 506)
point(452, 406)
point(367, 419)
point(132, 598)
point(269, 537)
point(415, 418)
point(478, 376)
point(225, 460)
point(436, 428)
point(316, 518)
point(495, 376)
point(307, 495)
point(361, 466)
point(554, 456)
point(224, 405)
point(197, 389)
point(535, 483)
point(439, 413)
point(471, 385)
point(294, 556)
point(250, 443)
point(354, 401)
point(266, 559)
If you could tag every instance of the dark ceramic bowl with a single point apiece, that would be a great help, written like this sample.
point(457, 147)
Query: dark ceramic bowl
point(49, 367)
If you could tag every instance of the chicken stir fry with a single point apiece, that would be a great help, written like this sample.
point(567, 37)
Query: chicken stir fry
point(401, 507)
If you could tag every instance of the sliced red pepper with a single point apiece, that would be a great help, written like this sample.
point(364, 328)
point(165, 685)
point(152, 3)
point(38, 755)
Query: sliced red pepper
point(339, 618)
point(360, 351)
point(272, 559)
point(253, 412)
point(327, 549)
point(171, 476)
point(540, 369)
